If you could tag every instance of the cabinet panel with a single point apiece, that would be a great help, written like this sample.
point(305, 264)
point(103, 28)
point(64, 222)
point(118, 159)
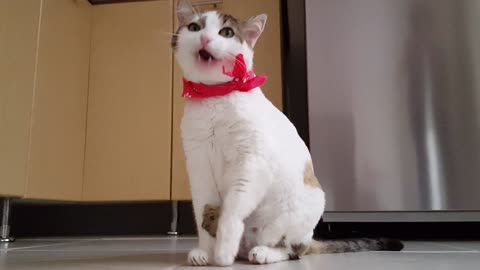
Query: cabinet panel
point(130, 101)
point(55, 165)
point(267, 61)
point(18, 45)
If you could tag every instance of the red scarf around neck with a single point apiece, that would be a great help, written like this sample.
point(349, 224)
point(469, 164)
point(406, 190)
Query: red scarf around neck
point(242, 81)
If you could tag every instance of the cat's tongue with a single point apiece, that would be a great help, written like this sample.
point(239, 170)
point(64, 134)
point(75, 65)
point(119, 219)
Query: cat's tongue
point(205, 55)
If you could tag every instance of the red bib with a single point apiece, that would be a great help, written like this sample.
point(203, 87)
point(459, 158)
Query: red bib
point(242, 81)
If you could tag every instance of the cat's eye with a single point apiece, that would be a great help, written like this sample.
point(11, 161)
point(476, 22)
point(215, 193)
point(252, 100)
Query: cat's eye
point(227, 32)
point(194, 27)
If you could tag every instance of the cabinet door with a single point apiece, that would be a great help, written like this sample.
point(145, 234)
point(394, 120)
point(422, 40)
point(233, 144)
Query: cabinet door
point(18, 46)
point(267, 61)
point(57, 140)
point(130, 101)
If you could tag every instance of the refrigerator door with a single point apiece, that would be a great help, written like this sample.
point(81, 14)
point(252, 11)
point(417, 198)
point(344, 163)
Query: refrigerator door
point(394, 103)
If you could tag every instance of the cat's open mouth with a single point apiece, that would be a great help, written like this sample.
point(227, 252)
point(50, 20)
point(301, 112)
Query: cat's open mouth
point(205, 56)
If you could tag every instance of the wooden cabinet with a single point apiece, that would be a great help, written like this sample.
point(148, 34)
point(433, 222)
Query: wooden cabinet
point(90, 97)
point(44, 82)
point(267, 61)
point(18, 47)
point(57, 139)
point(128, 153)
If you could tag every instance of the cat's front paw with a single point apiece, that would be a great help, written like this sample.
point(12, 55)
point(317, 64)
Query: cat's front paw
point(224, 256)
point(258, 255)
point(198, 257)
point(230, 230)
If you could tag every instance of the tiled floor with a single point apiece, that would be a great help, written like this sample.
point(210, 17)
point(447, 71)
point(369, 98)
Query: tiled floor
point(170, 253)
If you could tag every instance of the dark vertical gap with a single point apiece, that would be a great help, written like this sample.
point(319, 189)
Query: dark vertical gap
point(294, 65)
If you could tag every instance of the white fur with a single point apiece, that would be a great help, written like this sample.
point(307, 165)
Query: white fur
point(243, 154)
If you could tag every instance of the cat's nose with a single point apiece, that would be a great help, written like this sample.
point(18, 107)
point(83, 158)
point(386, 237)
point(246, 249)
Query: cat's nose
point(204, 40)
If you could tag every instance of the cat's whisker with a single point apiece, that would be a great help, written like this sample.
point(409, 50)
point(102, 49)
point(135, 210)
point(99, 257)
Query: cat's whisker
point(235, 60)
point(165, 40)
point(169, 34)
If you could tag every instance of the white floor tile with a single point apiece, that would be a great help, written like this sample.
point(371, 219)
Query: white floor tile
point(168, 253)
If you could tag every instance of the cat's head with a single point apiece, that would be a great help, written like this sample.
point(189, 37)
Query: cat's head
point(207, 41)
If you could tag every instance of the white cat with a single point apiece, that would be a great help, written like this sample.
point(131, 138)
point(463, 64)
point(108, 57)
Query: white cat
point(243, 155)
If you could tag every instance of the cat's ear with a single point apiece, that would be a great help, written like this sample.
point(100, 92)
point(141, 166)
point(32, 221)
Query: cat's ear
point(253, 28)
point(185, 11)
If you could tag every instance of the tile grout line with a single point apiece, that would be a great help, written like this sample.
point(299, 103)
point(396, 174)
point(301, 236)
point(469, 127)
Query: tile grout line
point(112, 238)
point(46, 245)
point(154, 250)
point(148, 238)
point(457, 247)
point(440, 252)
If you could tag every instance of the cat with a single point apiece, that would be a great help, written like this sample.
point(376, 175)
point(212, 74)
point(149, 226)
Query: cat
point(254, 191)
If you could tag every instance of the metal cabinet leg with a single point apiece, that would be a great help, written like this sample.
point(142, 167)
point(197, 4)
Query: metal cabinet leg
point(5, 227)
point(173, 226)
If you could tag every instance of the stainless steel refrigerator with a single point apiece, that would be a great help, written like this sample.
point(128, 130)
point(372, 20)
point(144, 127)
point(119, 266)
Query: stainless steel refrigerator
point(394, 108)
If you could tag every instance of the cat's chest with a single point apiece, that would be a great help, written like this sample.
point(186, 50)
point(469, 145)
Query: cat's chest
point(214, 122)
point(207, 133)
point(202, 126)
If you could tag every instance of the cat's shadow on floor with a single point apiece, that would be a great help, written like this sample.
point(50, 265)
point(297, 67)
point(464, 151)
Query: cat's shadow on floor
point(152, 260)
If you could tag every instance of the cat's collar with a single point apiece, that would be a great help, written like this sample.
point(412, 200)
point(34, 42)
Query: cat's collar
point(243, 81)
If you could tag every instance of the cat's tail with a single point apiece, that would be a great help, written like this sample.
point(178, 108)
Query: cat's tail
point(354, 245)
